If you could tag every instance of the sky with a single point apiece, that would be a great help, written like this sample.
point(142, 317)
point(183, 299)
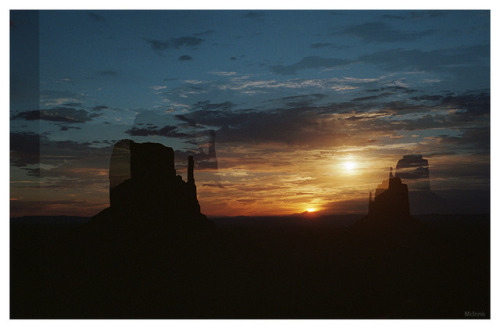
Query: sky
point(307, 110)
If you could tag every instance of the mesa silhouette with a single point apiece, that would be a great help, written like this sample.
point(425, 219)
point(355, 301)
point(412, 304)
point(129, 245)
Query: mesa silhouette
point(145, 190)
point(389, 211)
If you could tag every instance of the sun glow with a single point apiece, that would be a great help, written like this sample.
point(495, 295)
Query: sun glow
point(350, 166)
point(311, 209)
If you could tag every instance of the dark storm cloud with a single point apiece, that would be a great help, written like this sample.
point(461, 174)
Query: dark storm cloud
point(185, 58)
point(56, 114)
point(310, 62)
point(381, 32)
point(167, 131)
point(176, 43)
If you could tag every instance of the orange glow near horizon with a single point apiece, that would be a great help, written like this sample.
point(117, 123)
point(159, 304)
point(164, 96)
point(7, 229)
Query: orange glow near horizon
point(261, 180)
point(258, 180)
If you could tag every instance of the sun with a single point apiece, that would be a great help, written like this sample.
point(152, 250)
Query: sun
point(311, 209)
point(350, 166)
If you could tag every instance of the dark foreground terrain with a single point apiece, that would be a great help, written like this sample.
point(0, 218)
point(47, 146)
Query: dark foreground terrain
point(287, 267)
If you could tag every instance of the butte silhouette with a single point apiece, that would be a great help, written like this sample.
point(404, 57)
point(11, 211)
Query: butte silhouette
point(389, 211)
point(146, 192)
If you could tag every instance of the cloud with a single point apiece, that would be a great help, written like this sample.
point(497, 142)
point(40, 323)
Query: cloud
point(471, 104)
point(474, 138)
point(207, 32)
point(73, 104)
point(167, 131)
point(59, 97)
point(371, 98)
point(233, 82)
point(224, 73)
point(325, 45)
point(356, 123)
point(297, 126)
point(432, 98)
point(460, 111)
point(185, 58)
point(57, 114)
point(28, 148)
point(381, 32)
point(203, 159)
point(189, 121)
point(188, 41)
point(309, 62)
point(66, 128)
point(99, 108)
point(384, 92)
point(158, 45)
point(302, 100)
point(207, 105)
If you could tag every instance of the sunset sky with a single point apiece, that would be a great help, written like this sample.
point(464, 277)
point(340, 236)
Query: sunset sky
point(309, 108)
